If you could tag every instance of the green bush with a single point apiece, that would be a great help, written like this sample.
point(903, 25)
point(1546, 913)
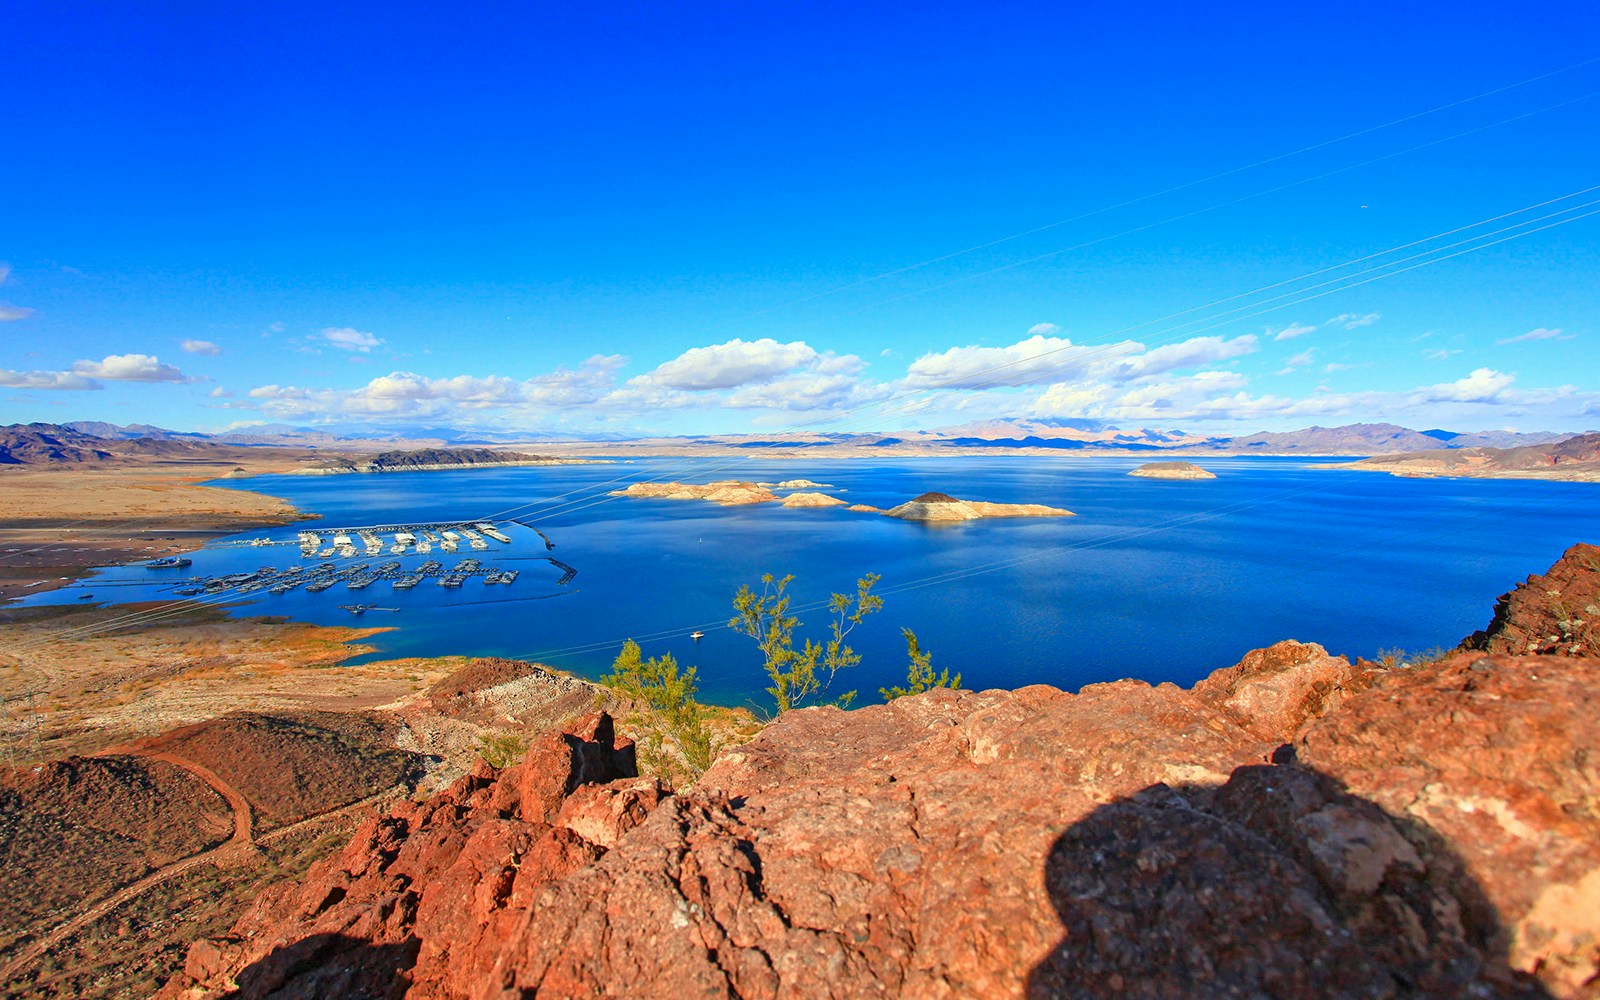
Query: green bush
point(919, 675)
point(675, 738)
point(797, 675)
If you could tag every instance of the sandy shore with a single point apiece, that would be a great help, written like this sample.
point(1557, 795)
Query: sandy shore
point(57, 523)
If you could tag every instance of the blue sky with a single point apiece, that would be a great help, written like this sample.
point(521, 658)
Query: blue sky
point(743, 217)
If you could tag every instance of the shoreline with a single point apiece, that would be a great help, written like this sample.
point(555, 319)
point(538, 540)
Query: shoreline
point(58, 525)
point(447, 467)
point(1525, 475)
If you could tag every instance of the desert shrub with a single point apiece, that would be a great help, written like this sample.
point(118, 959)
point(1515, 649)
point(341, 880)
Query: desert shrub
point(919, 674)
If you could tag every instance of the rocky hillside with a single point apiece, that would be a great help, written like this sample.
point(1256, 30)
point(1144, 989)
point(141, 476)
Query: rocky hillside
point(65, 445)
point(1558, 612)
point(428, 459)
point(1575, 458)
point(44, 444)
point(1294, 825)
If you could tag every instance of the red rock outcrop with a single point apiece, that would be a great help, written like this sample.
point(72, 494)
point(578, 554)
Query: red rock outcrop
point(1558, 612)
point(1292, 826)
point(421, 894)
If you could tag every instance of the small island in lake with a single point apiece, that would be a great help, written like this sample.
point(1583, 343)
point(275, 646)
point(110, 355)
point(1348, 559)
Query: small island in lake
point(944, 507)
point(728, 492)
point(1171, 470)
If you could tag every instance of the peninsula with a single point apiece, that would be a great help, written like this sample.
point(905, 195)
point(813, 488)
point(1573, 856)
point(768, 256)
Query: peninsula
point(433, 460)
point(1576, 459)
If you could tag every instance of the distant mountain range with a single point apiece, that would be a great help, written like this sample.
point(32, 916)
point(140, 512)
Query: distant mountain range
point(52, 444)
point(90, 442)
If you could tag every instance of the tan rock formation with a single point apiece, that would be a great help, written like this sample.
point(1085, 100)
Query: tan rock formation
point(943, 507)
point(1172, 470)
point(728, 492)
point(811, 500)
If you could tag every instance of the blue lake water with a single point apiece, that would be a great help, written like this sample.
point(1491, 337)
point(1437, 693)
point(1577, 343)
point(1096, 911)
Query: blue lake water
point(1163, 581)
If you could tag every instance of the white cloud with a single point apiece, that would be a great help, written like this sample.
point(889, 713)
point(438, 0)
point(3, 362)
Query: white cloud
point(1300, 360)
point(201, 347)
point(1353, 321)
point(46, 380)
point(1043, 330)
point(1159, 400)
point(1190, 353)
point(220, 393)
point(807, 391)
point(1440, 354)
point(403, 393)
point(350, 339)
point(726, 366)
point(1483, 397)
point(1039, 360)
point(130, 368)
point(11, 314)
point(1539, 334)
point(1292, 331)
point(1483, 385)
point(5, 272)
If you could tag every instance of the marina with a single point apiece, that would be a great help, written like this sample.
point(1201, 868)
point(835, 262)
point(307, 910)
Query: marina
point(349, 561)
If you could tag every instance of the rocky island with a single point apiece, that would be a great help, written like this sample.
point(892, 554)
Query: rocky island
point(1171, 470)
point(727, 492)
point(943, 507)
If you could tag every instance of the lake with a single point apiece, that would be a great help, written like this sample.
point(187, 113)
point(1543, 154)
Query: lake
point(1163, 581)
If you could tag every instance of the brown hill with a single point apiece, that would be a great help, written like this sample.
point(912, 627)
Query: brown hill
point(292, 766)
point(57, 445)
point(44, 444)
point(1293, 826)
point(1575, 458)
point(73, 830)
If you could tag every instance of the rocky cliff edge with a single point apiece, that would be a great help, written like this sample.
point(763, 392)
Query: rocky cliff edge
point(1292, 826)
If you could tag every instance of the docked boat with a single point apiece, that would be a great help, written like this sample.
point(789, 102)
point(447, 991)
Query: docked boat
point(169, 562)
point(493, 532)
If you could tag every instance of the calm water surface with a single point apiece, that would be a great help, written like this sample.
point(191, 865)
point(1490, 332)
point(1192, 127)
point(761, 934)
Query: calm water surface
point(1163, 581)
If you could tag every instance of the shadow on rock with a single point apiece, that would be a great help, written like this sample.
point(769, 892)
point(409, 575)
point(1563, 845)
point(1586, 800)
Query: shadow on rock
point(330, 965)
point(1277, 884)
